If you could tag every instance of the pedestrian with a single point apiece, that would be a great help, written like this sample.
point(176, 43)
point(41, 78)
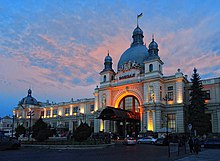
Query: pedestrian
point(191, 145)
point(197, 145)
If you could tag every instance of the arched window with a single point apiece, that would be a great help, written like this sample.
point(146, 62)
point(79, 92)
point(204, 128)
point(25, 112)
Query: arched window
point(159, 67)
point(129, 103)
point(151, 67)
point(104, 78)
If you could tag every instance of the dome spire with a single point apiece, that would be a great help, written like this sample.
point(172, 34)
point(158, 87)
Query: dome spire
point(152, 37)
point(29, 92)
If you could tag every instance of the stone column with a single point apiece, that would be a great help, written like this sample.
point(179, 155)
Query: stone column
point(157, 120)
point(180, 121)
point(144, 121)
point(154, 120)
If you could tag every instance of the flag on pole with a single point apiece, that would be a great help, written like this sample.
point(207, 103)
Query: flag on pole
point(140, 15)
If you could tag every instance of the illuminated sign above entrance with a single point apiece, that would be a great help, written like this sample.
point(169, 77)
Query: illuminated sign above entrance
point(127, 76)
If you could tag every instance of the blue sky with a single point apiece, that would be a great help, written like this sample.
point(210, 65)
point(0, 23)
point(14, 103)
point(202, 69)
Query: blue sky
point(57, 47)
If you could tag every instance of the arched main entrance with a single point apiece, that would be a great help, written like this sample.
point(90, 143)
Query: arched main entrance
point(132, 104)
point(124, 120)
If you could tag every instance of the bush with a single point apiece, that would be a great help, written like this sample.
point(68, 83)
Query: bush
point(82, 132)
point(20, 130)
point(43, 135)
point(40, 130)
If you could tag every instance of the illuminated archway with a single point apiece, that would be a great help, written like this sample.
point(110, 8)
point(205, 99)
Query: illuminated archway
point(129, 103)
point(125, 94)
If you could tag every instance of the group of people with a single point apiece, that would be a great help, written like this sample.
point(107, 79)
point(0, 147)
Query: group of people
point(194, 145)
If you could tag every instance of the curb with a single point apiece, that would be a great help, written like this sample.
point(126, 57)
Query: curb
point(64, 147)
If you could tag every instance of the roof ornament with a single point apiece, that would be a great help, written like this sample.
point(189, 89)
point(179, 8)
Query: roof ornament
point(108, 52)
point(152, 37)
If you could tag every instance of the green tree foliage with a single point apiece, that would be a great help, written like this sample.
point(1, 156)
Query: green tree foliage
point(41, 131)
point(197, 116)
point(82, 132)
point(20, 130)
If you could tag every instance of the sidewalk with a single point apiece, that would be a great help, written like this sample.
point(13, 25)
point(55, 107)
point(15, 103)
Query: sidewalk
point(205, 155)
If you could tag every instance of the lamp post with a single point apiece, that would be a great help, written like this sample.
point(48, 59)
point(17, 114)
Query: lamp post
point(30, 113)
point(13, 122)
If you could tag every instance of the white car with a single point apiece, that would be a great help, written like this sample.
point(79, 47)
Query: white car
point(147, 140)
point(129, 141)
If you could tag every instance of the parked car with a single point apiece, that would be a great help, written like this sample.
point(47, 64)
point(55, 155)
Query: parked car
point(161, 141)
point(212, 143)
point(130, 141)
point(147, 140)
point(8, 143)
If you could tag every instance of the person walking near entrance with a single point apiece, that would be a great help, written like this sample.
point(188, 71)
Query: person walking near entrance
point(191, 145)
point(196, 145)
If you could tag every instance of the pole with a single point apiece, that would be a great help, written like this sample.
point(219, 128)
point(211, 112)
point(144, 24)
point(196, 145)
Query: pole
point(13, 121)
point(168, 138)
point(29, 128)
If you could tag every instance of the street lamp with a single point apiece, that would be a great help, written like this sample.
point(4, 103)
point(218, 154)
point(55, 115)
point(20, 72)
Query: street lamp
point(30, 113)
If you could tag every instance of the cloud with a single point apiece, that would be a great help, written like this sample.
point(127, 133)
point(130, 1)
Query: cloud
point(59, 48)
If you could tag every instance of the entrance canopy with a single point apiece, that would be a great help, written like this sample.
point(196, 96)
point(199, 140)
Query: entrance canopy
point(117, 114)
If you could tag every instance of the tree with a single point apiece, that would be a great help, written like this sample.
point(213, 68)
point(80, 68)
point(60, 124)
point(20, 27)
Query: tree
point(197, 116)
point(41, 131)
point(82, 132)
point(20, 130)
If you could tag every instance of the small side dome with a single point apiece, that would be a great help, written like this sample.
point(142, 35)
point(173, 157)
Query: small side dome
point(29, 100)
point(108, 58)
point(153, 45)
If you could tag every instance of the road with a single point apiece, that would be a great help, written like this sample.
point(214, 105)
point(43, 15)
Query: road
point(118, 152)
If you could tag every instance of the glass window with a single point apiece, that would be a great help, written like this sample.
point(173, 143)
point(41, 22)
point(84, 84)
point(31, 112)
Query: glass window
point(42, 113)
point(67, 110)
point(161, 97)
point(170, 88)
point(75, 109)
point(129, 103)
point(172, 121)
point(55, 112)
point(48, 113)
point(170, 96)
point(104, 78)
point(151, 67)
point(91, 107)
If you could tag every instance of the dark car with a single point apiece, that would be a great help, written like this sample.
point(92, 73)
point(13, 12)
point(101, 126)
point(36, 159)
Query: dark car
point(8, 143)
point(212, 143)
point(161, 141)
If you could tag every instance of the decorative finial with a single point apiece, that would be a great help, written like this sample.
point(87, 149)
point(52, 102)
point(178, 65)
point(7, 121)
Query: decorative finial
point(152, 37)
point(108, 52)
point(29, 92)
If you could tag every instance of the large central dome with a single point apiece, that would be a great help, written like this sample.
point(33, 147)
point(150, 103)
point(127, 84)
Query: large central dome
point(137, 53)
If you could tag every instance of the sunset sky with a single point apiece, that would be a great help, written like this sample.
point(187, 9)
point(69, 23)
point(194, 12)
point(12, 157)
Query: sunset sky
point(57, 47)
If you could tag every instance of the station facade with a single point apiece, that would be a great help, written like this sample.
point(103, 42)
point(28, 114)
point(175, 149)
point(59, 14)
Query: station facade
point(134, 98)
